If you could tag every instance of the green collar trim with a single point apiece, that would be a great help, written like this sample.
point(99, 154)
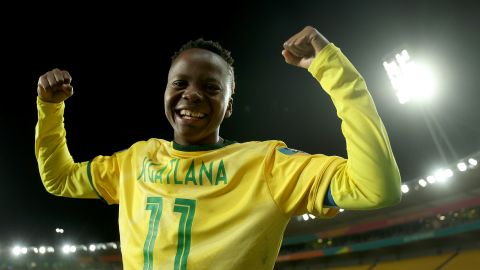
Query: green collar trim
point(202, 147)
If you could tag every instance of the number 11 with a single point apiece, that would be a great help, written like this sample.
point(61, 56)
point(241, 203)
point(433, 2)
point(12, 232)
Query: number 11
point(186, 208)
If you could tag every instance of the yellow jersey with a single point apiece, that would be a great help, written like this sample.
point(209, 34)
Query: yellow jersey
point(226, 206)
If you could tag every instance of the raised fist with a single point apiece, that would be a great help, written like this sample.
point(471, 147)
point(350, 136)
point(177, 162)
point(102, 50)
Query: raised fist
point(301, 48)
point(54, 86)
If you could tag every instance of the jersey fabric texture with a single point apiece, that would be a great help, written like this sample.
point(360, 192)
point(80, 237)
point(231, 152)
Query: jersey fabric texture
point(226, 206)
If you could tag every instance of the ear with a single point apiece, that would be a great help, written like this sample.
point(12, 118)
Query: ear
point(229, 110)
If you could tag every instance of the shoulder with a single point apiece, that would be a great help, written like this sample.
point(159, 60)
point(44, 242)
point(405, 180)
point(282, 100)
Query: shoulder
point(272, 147)
point(260, 146)
point(152, 143)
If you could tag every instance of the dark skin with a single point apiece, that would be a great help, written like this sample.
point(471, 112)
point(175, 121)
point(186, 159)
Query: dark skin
point(198, 96)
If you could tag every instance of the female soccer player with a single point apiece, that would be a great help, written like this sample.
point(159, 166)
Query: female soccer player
point(204, 202)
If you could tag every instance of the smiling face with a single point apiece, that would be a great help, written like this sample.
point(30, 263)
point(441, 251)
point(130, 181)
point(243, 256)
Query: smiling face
point(198, 96)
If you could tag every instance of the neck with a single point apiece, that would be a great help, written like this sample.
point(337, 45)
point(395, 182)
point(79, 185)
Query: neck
point(206, 141)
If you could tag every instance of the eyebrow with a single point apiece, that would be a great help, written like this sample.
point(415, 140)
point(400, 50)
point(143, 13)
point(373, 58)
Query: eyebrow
point(187, 77)
point(213, 80)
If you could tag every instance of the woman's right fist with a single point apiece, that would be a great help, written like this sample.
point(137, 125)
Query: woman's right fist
point(54, 86)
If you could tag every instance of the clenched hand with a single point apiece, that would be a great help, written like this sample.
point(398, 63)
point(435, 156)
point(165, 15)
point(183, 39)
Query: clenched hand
point(54, 86)
point(301, 48)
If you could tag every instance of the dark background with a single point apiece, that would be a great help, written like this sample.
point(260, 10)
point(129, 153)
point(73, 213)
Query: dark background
point(119, 56)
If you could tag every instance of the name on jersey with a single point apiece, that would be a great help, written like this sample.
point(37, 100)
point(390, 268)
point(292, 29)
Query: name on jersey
point(184, 172)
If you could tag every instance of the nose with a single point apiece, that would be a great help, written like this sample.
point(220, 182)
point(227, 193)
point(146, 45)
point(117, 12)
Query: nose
point(192, 94)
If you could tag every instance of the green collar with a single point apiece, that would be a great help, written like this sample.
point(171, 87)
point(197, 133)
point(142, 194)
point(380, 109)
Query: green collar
point(202, 147)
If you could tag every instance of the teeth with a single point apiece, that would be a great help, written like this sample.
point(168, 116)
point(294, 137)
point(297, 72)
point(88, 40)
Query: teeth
point(191, 114)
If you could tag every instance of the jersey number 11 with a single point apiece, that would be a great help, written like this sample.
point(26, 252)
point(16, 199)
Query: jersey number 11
point(186, 208)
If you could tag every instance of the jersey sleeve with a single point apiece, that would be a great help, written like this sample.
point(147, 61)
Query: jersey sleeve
point(299, 181)
point(104, 176)
point(59, 173)
point(370, 177)
point(367, 179)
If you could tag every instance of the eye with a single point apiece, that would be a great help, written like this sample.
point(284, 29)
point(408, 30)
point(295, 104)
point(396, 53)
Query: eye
point(212, 87)
point(179, 84)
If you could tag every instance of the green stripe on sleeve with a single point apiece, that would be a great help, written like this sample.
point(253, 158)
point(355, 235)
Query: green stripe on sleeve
point(90, 180)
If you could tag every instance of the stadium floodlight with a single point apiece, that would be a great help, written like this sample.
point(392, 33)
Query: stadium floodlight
point(42, 250)
point(16, 251)
point(92, 247)
point(73, 249)
point(472, 162)
point(311, 216)
point(341, 210)
point(66, 249)
point(431, 179)
point(305, 217)
point(410, 80)
point(405, 188)
point(50, 250)
point(422, 182)
point(462, 166)
point(59, 230)
point(443, 174)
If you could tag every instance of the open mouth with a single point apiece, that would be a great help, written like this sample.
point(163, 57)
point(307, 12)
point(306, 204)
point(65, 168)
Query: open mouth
point(188, 114)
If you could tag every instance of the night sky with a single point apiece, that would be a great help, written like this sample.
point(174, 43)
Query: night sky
point(119, 58)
